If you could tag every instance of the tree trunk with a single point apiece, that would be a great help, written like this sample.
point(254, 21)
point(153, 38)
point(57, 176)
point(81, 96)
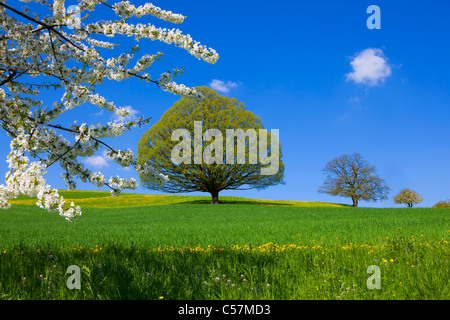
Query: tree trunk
point(215, 197)
point(355, 201)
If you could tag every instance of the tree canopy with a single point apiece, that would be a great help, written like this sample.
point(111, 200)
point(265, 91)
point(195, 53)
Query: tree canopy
point(237, 158)
point(352, 176)
point(408, 197)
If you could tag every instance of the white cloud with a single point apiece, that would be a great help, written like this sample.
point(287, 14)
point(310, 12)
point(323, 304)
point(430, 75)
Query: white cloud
point(97, 162)
point(370, 67)
point(101, 161)
point(99, 113)
point(222, 86)
point(132, 114)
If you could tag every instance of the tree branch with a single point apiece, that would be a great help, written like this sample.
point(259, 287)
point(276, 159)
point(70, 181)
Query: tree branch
point(46, 26)
point(62, 155)
point(9, 78)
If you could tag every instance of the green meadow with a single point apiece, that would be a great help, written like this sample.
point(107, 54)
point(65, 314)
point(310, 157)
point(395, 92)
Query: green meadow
point(181, 247)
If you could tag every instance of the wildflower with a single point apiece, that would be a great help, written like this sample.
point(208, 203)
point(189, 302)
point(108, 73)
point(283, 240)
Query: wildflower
point(217, 279)
point(161, 297)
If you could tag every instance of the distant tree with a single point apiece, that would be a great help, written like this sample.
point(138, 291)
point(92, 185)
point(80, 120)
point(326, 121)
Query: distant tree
point(352, 176)
point(408, 197)
point(442, 204)
point(200, 158)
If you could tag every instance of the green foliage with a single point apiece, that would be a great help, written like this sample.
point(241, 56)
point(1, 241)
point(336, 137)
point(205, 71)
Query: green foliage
point(408, 197)
point(215, 112)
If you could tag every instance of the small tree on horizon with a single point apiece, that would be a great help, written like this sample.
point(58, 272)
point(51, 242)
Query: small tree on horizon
point(408, 197)
point(352, 176)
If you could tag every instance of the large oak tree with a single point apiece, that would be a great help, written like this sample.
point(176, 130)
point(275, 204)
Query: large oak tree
point(228, 168)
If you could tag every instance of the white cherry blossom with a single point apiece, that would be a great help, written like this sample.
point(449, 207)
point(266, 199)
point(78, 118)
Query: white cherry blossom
point(65, 50)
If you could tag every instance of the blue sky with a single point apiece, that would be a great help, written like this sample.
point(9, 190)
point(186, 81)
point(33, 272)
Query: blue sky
point(290, 62)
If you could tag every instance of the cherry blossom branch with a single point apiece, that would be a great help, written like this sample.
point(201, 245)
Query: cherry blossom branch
point(46, 26)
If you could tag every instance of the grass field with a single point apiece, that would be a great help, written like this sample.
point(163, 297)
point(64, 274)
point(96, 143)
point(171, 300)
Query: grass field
point(175, 247)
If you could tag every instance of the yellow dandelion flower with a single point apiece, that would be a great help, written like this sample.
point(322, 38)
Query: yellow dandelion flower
point(160, 298)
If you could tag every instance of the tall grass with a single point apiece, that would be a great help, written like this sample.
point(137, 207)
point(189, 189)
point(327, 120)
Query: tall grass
point(229, 251)
point(110, 272)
